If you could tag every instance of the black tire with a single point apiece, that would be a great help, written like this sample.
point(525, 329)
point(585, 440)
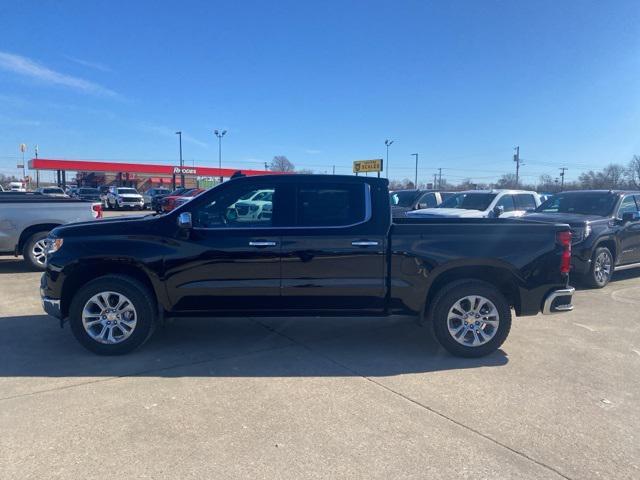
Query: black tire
point(140, 297)
point(597, 277)
point(28, 253)
point(445, 301)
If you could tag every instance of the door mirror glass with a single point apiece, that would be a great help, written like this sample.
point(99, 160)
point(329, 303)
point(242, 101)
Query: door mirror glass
point(184, 220)
point(421, 206)
point(498, 210)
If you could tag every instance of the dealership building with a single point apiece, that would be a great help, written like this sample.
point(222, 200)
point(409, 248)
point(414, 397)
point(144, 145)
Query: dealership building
point(141, 176)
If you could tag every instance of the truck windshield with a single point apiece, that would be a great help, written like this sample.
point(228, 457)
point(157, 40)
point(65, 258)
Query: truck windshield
point(127, 190)
point(582, 203)
point(402, 199)
point(469, 201)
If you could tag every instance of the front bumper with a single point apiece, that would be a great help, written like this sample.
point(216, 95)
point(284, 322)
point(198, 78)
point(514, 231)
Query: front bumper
point(52, 307)
point(558, 301)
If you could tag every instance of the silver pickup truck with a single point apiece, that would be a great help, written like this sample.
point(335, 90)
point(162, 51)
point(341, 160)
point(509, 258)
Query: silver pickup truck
point(26, 219)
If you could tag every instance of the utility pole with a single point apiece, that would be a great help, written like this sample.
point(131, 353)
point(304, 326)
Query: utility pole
point(37, 171)
point(562, 170)
point(439, 178)
point(516, 158)
point(181, 162)
point(334, 170)
point(388, 142)
point(435, 180)
point(416, 177)
point(220, 135)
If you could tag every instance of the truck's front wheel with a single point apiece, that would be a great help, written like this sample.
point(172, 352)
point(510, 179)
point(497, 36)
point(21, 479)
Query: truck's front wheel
point(112, 315)
point(471, 318)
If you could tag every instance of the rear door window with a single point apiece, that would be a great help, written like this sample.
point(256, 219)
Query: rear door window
point(330, 205)
point(628, 205)
point(507, 202)
point(428, 200)
point(525, 201)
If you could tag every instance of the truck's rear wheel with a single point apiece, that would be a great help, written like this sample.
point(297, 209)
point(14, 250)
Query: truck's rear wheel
point(112, 315)
point(471, 318)
point(33, 251)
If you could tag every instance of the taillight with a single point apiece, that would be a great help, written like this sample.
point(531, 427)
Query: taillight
point(564, 239)
point(96, 208)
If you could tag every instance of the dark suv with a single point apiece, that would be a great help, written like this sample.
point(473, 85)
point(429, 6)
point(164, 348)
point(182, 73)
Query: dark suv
point(606, 230)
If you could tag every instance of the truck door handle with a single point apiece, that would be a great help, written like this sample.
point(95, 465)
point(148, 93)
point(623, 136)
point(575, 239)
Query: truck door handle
point(262, 244)
point(365, 243)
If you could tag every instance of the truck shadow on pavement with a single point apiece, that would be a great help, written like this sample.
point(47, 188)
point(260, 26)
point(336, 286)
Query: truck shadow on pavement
point(35, 346)
point(13, 265)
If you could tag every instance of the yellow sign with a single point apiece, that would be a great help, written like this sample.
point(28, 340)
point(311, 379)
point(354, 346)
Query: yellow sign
point(367, 165)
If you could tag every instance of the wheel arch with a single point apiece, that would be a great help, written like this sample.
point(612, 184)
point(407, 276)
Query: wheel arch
point(611, 244)
point(500, 277)
point(30, 230)
point(86, 272)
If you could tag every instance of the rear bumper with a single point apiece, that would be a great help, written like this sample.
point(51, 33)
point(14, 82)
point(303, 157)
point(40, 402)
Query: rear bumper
point(558, 301)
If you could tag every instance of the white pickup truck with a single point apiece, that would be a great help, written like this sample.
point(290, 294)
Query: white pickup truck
point(27, 218)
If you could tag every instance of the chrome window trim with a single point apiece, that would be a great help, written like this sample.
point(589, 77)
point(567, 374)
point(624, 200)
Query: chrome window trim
point(367, 217)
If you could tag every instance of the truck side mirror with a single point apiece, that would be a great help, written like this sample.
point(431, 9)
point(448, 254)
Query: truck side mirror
point(184, 220)
point(421, 206)
point(498, 210)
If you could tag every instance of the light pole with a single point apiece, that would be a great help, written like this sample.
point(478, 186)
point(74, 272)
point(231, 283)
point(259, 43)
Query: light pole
point(416, 181)
point(388, 142)
point(220, 134)
point(181, 162)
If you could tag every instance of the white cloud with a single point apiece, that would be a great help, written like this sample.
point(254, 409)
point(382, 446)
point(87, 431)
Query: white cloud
point(85, 63)
point(25, 66)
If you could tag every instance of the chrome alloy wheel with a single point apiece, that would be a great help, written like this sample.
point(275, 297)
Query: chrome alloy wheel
point(473, 321)
point(39, 251)
point(602, 267)
point(109, 317)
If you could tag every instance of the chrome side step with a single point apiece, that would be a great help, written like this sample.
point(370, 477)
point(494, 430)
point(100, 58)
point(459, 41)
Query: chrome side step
point(626, 267)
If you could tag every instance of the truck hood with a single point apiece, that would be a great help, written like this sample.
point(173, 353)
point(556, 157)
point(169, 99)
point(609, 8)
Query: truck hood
point(573, 219)
point(447, 212)
point(106, 226)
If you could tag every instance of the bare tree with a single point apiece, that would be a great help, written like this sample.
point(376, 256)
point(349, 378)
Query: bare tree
point(633, 171)
point(280, 163)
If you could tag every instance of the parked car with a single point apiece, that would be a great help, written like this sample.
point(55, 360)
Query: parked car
point(123, 197)
point(156, 201)
point(151, 193)
point(169, 202)
point(329, 248)
point(403, 201)
point(606, 230)
point(253, 206)
point(86, 194)
point(483, 204)
point(182, 199)
point(53, 192)
point(27, 218)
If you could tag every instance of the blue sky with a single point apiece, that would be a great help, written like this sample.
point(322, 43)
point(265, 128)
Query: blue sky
point(324, 83)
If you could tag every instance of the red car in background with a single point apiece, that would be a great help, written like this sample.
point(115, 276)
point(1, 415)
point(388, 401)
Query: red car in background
point(172, 201)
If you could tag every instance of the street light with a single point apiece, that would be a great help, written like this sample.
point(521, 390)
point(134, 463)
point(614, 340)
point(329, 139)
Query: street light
point(416, 181)
point(181, 162)
point(388, 142)
point(220, 134)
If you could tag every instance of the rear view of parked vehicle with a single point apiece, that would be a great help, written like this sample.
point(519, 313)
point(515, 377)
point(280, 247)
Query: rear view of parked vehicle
point(483, 204)
point(26, 220)
point(606, 231)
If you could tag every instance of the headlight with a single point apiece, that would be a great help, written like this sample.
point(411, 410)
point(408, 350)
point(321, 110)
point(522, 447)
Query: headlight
point(53, 245)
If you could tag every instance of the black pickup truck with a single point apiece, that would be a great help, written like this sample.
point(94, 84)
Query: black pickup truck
point(303, 245)
point(606, 231)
